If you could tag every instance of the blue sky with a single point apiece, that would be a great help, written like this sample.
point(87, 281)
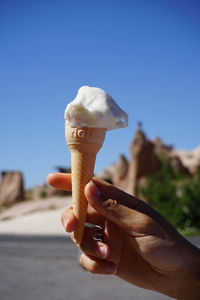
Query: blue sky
point(144, 53)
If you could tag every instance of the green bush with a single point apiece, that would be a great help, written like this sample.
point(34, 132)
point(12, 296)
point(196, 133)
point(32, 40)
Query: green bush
point(191, 202)
point(43, 193)
point(176, 196)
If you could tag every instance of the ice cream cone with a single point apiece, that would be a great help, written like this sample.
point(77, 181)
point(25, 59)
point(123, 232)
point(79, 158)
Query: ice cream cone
point(84, 143)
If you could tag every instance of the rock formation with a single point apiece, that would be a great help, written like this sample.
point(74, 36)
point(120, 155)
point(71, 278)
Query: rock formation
point(160, 149)
point(11, 188)
point(145, 160)
point(190, 159)
point(120, 172)
point(116, 173)
point(177, 165)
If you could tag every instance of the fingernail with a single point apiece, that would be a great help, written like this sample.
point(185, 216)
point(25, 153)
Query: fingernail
point(69, 227)
point(48, 178)
point(65, 223)
point(110, 268)
point(95, 189)
point(102, 252)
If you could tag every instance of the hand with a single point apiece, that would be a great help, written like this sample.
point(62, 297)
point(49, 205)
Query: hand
point(140, 245)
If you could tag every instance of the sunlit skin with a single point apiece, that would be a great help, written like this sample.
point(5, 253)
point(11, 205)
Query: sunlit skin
point(139, 245)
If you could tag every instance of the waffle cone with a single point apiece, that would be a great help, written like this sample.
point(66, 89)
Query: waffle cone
point(84, 143)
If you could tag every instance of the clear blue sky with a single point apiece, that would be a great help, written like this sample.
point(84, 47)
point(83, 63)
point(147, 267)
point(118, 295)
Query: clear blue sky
point(144, 53)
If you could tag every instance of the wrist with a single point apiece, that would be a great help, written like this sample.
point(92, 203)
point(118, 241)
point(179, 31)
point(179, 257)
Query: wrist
point(189, 279)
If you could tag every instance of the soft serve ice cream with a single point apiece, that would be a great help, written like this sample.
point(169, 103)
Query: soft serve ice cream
point(93, 107)
point(88, 117)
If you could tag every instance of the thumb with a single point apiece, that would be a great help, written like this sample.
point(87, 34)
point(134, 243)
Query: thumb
point(111, 202)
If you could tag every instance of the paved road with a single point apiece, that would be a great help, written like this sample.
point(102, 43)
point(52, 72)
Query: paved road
point(46, 268)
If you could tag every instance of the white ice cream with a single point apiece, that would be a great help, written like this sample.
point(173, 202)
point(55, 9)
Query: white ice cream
point(93, 107)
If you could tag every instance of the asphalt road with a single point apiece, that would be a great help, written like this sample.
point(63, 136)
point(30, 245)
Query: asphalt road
point(47, 268)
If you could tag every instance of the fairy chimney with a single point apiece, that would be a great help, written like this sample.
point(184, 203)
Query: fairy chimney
point(120, 171)
point(144, 161)
point(11, 188)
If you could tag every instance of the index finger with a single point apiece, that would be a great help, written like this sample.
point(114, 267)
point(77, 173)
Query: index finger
point(61, 181)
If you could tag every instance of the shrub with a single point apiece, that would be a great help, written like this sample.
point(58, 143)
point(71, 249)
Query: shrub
point(176, 196)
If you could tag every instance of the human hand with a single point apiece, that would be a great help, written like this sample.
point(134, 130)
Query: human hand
point(139, 244)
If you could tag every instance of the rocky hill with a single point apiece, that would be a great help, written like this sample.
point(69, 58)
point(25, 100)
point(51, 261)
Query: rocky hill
point(146, 158)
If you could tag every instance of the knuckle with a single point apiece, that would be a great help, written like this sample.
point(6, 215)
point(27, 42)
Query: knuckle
point(110, 207)
point(111, 204)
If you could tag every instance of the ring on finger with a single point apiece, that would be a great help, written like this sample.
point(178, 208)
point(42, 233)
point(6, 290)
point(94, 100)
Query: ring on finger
point(97, 231)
